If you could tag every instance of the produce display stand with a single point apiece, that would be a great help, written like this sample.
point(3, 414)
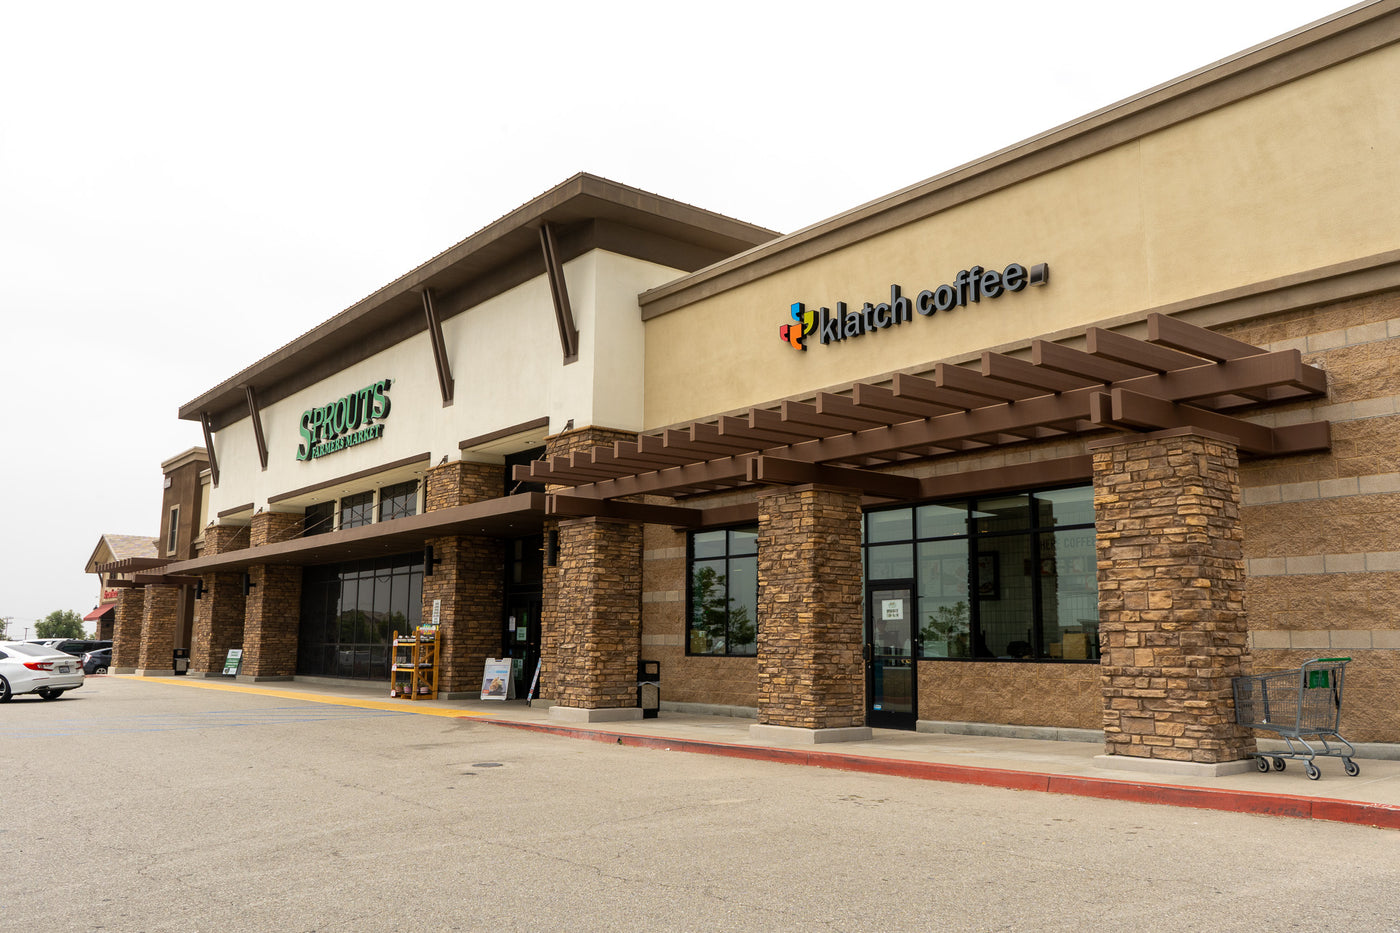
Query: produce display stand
point(413, 672)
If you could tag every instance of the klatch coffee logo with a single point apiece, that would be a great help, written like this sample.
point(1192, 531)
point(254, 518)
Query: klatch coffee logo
point(969, 286)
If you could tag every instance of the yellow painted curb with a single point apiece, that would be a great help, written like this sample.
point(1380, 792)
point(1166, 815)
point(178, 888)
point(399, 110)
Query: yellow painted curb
point(407, 706)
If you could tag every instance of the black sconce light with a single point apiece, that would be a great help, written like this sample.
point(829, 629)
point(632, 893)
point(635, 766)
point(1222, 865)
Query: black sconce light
point(199, 589)
point(551, 549)
point(429, 561)
point(248, 584)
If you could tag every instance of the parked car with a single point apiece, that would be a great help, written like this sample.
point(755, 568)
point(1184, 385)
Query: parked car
point(29, 668)
point(97, 662)
point(77, 647)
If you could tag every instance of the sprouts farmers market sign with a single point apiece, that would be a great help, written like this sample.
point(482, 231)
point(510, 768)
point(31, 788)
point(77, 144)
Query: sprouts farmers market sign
point(969, 286)
point(347, 421)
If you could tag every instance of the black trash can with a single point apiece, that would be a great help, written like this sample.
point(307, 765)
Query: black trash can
point(181, 662)
point(649, 688)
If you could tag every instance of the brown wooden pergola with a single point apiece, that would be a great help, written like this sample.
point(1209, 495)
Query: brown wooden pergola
point(1181, 375)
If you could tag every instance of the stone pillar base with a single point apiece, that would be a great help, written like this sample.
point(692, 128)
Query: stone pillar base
point(262, 678)
point(794, 735)
point(121, 670)
point(607, 714)
point(153, 672)
point(1193, 769)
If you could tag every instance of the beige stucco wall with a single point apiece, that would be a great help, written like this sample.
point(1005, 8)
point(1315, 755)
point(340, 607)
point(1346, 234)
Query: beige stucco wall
point(1287, 181)
point(508, 369)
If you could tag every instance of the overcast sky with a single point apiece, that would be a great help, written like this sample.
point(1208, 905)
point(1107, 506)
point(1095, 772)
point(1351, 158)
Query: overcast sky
point(189, 186)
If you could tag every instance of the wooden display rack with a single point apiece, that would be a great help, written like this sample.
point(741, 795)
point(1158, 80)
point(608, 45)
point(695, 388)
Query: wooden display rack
point(413, 673)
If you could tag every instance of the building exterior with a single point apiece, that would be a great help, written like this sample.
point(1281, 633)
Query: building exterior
point(1063, 440)
point(112, 548)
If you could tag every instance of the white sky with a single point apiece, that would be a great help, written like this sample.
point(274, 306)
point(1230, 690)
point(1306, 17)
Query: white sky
point(186, 187)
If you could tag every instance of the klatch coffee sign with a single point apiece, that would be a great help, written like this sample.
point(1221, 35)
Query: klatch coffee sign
point(968, 287)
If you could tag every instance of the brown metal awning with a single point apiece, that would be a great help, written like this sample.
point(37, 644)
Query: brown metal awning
point(1181, 375)
point(509, 516)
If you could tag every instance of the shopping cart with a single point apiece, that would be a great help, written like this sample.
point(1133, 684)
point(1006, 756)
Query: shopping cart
point(1298, 705)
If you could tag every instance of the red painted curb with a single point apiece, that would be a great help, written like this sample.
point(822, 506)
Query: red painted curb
point(1232, 801)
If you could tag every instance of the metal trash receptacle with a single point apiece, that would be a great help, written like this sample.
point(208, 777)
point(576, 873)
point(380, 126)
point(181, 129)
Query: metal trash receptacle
point(181, 661)
point(649, 688)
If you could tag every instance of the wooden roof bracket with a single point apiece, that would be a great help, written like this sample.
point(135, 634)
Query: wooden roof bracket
point(207, 424)
point(558, 290)
point(256, 416)
point(440, 360)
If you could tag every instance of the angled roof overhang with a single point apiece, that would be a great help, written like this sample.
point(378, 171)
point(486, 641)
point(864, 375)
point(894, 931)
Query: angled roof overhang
point(586, 212)
point(1181, 375)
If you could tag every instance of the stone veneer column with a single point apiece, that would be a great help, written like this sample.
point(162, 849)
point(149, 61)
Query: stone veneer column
point(1171, 600)
point(271, 622)
point(811, 678)
point(272, 610)
point(469, 579)
point(555, 582)
point(126, 635)
point(598, 621)
point(161, 615)
point(218, 614)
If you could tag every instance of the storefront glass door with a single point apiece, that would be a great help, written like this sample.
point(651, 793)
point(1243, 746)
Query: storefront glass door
point(890, 651)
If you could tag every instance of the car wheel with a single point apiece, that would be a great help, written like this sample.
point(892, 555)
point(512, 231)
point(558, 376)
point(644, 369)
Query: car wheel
point(5, 693)
point(100, 670)
point(48, 694)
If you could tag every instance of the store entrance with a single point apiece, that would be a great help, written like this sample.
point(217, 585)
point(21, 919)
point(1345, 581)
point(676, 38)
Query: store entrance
point(890, 641)
point(520, 628)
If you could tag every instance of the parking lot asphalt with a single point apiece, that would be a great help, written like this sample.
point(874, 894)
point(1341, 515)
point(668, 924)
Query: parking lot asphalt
point(1371, 798)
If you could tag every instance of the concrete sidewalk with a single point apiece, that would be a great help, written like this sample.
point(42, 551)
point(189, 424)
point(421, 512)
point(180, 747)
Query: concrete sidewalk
point(1371, 798)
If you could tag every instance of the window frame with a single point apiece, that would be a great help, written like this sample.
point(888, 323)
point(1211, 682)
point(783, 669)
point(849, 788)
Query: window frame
point(727, 556)
point(978, 532)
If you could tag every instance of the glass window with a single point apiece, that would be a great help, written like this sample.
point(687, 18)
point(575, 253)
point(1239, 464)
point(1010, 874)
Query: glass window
point(320, 518)
point(894, 525)
point(356, 510)
point(1007, 577)
point(941, 520)
point(349, 614)
point(173, 535)
point(723, 593)
point(398, 501)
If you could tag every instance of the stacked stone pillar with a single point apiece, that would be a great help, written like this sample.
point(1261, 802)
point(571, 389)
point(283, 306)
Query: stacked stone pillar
point(160, 616)
point(272, 608)
point(811, 685)
point(556, 582)
point(218, 614)
point(1171, 597)
point(126, 629)
point(467, 577)
point(597, 620)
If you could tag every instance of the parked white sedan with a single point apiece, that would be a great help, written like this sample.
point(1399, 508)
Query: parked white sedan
point(29, 668)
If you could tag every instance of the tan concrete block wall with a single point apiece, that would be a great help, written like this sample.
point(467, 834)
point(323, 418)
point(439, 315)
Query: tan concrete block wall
point(1322, 531)
point(1066, 696)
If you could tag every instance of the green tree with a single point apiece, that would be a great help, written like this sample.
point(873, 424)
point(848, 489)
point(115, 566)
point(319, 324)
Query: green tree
point(61, 623)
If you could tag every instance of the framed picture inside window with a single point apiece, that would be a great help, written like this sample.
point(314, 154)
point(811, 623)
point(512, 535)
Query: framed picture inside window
point(989, 575)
